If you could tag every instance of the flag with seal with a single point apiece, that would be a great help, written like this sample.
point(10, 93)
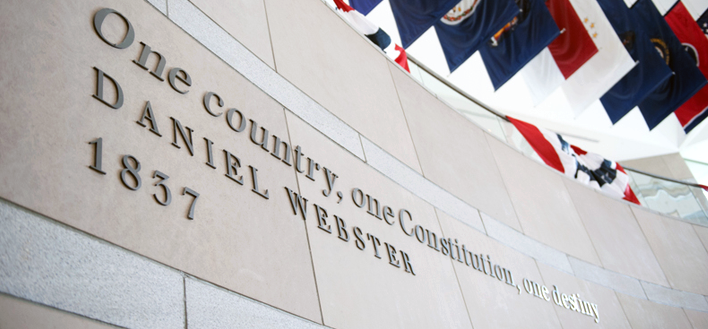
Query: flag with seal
point(695, 43)
point(686, 80)
point(469, 24)
point(521, 39)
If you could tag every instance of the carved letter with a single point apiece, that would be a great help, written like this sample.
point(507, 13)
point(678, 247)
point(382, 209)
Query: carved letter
point(99, 90)
point(177, 126)
point(330, 181)
point(255, 183)
point(296, 202)
point(142, 61)
point(185, 79)
point(322, 219)
point(207, 99)
point(229, 117)
point(147, 114)
point(232, 167)
point(341, 228)
point(98, 25)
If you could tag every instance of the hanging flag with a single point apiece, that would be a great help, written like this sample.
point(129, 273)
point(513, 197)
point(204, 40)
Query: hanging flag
point(703, 23)
point(648, 74)
point(687, 78)
point(588, 168)
point(469, 24)
point(364, 6)
point(604, 69)
point(629, 3)
point(398, 54)
point(573, 47)
point(563, 57)
point(518, 42)
point(363, 25)
point(694, 42)
point(374, 33)
point(542, 76)
point(414, 17)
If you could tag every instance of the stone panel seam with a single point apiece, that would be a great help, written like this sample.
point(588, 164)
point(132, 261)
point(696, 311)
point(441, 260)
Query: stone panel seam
point(264, 87)
point(441, 198)
point(446, 103)
point(582, 222)
point(270, 37)
point(162, 10)
point(652, 250)
point(610, 279)
point(231, 36)
point(243, 61)
point(699, 238)
point(484, 226)
point(233, 294)
point(622, 308)
point(506, 190)
point(457, 277)
point(405, 118)
point(307, 233)
point(636, 220)
point(526, 245)
point(555, 309)
point(251, 299)
point(676, 298)
point(689, 319)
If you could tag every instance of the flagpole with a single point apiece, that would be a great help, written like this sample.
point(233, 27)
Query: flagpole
point(666, 178)
point(455, 88)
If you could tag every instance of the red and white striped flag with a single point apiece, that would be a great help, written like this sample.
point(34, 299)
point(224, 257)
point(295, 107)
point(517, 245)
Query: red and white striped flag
point(588, 168)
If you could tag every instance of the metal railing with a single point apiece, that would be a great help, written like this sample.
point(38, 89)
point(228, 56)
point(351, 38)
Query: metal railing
point(685, 200)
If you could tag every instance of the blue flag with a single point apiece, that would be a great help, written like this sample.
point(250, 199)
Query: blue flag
point(364, 6)
point(703, 22)
point(414, 17)
point(519, 41)
point(649, 73)
point(687, 78)
point(467, 26)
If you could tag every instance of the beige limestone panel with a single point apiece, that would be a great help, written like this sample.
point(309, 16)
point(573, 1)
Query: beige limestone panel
point(492, 303)
point(18, 313)
point(669, 165)
point(698, 319)
point(542, 203)
point(654, 165)
point(616, 235)
point(245, 20)
point(702, 232)
point(357, 289)
point(608, 313)
point(237, 239)
point(678, 167)
point(642, 313)
point(322, 55)
point(678, 249)
point(453, 152)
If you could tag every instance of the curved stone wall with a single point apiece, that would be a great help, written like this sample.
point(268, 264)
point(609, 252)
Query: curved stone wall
point(327, 187)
